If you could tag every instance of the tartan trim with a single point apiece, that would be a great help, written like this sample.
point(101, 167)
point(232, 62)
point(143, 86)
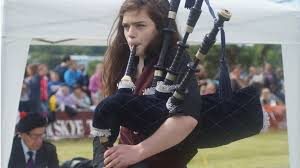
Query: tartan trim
point(149, 91)
point(165, 88)
point(126, 84)
point(100, 132)
point(170, 106)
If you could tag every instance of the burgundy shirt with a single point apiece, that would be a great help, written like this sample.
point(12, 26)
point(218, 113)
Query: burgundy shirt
point(144, 81)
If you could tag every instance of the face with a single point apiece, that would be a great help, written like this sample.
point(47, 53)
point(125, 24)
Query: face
point(81, 67)
point(68, 62)
point(73, 65)
point(258, 70)
point(34, 138)
point(78, 92)
point(268, 67)
point(65, 90)
point(237, 71)
point(43, 71)
point(202, 73)
point(54, 76)
point(210, 89)
point(29, 71)
point(266, 94)
point(252, 70)
point(99, 68)
point(139, 30)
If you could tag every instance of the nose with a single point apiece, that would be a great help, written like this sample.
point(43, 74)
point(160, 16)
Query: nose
point(131, 36)
point(39, 140)
point(131, 32)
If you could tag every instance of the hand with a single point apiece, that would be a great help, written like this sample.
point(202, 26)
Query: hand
point(121, 156)
point(233, 76)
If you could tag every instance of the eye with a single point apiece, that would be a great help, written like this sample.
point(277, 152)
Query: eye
point(125, 26)
point(141, 25)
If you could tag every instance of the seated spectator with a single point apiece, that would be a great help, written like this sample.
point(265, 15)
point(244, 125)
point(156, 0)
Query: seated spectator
point(54, 83)
point(80, 99)
point(62, 97)
point(251, 73)
point(280, 90)
point(201, 73)
point(235, 76)
point(269, 98)
point(274, 107)
point(83, 80)
point(63, 67)
point(29, 149)
point(95, 85)
point(257, 78)
point(270, 78)
point(209, 88)
point(72, 75)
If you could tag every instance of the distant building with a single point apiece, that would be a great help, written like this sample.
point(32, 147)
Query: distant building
point(85, 59)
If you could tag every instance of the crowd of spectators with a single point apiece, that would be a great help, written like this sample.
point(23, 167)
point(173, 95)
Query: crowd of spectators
point(67, 87)
point(268, 80)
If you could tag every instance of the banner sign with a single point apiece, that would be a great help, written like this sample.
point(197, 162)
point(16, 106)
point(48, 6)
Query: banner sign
point(66, 126)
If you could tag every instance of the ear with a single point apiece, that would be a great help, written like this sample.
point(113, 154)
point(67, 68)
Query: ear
point(21, 135)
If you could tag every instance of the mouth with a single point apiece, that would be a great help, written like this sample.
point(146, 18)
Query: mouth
point(134, 45)
point(138, 47)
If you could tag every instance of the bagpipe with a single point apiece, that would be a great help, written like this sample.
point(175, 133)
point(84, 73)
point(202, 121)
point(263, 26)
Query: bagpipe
point(224, 117)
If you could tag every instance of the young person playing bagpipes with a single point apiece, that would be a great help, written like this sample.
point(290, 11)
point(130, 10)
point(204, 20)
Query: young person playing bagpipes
point(161, 107)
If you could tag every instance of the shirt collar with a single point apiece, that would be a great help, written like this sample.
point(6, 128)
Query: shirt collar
point(26, 149)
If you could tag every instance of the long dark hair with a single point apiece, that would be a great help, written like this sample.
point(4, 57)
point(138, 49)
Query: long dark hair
point(116, 56)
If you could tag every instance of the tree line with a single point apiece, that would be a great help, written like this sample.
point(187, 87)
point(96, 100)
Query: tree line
point(245, 55)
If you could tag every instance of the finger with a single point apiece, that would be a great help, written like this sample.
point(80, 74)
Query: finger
point(110, 158)
point(121, 162)
point(109, 151)
point(119, 165)
point(112, 164)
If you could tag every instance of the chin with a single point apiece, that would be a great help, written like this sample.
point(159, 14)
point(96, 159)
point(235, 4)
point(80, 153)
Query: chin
point(37, 147)
point(139, 51)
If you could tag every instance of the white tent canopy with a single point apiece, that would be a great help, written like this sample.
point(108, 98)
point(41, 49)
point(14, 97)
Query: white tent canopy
point(252, 21)
point(65, 22)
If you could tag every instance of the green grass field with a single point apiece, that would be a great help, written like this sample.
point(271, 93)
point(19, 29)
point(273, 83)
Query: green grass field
point(268, 150)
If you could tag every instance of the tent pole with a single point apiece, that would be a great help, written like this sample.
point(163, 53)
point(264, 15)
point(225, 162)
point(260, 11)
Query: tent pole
point(1, 35)
point(291, 62)
point(14, 57)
